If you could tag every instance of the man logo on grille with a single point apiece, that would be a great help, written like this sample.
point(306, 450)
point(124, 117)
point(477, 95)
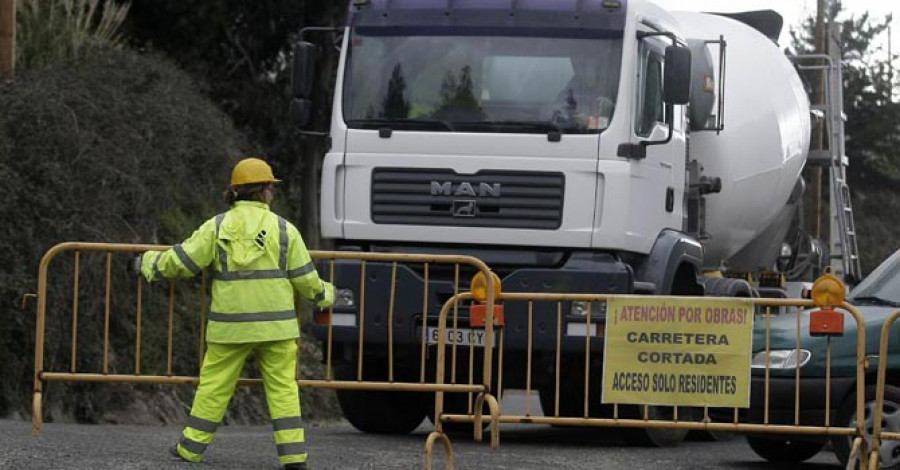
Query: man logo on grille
point(463, 208)
point(466, 189)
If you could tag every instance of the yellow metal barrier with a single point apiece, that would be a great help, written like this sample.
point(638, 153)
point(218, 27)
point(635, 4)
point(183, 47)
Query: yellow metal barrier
point(706, 422)
point(105, 375)
point(878, 413)
point(482, 391)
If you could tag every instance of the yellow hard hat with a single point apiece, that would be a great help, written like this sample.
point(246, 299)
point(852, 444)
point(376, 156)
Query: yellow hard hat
point(250, 171)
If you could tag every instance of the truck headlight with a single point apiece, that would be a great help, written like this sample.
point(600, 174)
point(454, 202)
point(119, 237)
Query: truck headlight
point(579, 308)
point(781, 359)
point(344, 299)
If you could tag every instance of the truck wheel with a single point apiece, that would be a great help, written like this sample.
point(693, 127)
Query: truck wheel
point(571, 404)
point(889, 451)
point(657, 437)
point(383, 412)
point(784, 449)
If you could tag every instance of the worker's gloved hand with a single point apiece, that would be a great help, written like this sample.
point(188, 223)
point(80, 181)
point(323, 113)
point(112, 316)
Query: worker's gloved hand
point(327, 297)
point(133, 267)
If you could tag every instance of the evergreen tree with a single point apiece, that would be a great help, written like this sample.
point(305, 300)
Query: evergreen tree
point(871, 128)
point(872, 118)
point(395, 105)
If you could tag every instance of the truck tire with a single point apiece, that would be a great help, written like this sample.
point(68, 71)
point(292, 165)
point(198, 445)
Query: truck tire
point(726, 287)
point(383, 412)
point(571, 404)
point(657, 437)
point(784, 450)
point(889, 452)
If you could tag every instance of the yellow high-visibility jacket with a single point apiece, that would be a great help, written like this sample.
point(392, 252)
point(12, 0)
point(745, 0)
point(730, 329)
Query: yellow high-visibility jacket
point(259, 260)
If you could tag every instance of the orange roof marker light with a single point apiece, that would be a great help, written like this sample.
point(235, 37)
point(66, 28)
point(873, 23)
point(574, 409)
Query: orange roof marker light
point(827, 292)
point(478, 310)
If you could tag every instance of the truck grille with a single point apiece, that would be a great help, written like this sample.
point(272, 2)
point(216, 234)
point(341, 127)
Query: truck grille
point(503, 199)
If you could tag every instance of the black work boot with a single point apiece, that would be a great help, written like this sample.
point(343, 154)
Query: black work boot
point(295, 466)
point(175, 455)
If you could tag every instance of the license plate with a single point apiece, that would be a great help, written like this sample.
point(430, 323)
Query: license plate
point(459, 336)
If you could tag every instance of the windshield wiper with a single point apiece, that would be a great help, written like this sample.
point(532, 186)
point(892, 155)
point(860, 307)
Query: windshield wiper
point(535, 126)
point(874, 299)
point(416, 124)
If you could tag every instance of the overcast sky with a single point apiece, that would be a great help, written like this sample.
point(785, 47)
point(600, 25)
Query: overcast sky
point(793, 11)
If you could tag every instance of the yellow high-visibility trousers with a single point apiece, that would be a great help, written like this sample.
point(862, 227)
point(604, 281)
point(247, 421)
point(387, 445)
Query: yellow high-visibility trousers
point(222, 366)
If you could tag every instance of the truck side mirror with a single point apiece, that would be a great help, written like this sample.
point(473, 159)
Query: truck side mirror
point(677, 75)
point(303, 71)
point(302, 80)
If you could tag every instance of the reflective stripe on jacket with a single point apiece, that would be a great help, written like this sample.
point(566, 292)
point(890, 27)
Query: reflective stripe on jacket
point(259, 260)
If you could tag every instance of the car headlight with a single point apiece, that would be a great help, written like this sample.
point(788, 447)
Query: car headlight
point(781, 359)
point(344, 298)
point(580, 308)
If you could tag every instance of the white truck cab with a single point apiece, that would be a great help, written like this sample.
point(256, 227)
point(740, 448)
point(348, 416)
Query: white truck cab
point(573, 145)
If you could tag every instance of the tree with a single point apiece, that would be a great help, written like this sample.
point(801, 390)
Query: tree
point(872, 126)
point(242, 51)
point(458, 101)
point(395, 104)
point(872, 118)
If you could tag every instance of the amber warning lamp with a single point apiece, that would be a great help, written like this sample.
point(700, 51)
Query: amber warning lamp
point(827, 292)
point(478, 309)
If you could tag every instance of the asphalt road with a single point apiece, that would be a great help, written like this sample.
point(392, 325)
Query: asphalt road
point(339, 446)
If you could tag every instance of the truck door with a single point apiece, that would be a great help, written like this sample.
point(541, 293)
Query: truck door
point(658, 180)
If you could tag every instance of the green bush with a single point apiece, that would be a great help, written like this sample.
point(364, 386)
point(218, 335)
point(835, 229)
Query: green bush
point(55, 30)
point(119, 147)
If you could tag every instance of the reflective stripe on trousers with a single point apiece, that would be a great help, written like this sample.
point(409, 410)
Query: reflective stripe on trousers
point(222, 366)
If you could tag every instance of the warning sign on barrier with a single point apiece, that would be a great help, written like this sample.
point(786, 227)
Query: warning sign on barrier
point(684, 351)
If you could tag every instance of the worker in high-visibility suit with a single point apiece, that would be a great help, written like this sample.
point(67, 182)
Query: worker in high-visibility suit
point(258, 261)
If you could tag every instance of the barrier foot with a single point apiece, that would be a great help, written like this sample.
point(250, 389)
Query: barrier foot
point(37, 414)
point(494, 407)
point(429, 450)
point(874, 463)
point(859, 454)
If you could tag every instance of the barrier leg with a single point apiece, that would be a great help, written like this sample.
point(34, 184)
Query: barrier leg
point(854, 452)
point(479, 404)
point(429, 450)
point(494, 406)
point(37, 414)
point(864, 453)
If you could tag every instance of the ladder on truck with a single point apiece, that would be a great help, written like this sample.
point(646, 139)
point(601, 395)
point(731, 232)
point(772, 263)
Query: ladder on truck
point(843, 247)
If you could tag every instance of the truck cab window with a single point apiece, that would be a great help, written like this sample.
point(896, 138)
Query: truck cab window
point(480, 83)
point(652, 109)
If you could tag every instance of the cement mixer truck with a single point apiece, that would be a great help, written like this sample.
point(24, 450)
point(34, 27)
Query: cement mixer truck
point(574, 146)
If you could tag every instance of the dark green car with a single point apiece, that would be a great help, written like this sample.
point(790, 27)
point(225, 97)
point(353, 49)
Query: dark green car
point(876, 297)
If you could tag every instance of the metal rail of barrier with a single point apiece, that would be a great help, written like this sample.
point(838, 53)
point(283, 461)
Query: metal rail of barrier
point(104, 375)
point(766, 425)
point(878, 415)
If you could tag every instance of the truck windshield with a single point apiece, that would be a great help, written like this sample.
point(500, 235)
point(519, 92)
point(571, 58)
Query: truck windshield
point(481, 83)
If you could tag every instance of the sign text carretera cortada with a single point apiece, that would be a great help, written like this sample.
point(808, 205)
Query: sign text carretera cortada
point(685, 351)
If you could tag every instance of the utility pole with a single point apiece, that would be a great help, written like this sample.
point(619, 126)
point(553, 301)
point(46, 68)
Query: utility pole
point(7, 39)
point(821, 7)
point(890, 68)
